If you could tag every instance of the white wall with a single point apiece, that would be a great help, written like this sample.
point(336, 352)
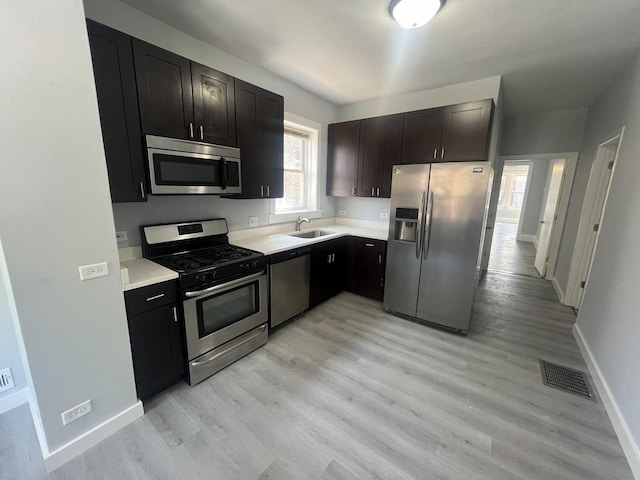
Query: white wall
point(297, 101)
point(608, 317)
point(548, 132)
point(56, 215)
point(531, 214)
point(369, 208)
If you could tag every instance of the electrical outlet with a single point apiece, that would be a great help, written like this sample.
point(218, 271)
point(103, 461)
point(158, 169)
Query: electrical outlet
point(121, 236)
point(384, 215)
point(76, 412)
point(6, 380)
point(87, 272)
point(253, 221)
point(342, 213)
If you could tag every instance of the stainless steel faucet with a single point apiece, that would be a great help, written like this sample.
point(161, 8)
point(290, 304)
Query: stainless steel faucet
point(300, 220)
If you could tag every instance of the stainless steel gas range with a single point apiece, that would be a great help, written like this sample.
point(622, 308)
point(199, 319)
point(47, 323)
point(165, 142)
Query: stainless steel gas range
point(223, 291)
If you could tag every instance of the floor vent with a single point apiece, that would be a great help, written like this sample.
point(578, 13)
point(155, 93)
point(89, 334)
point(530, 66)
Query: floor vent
point(566, 379)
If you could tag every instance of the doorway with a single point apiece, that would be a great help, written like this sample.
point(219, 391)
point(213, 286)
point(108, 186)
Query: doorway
point(593, 209)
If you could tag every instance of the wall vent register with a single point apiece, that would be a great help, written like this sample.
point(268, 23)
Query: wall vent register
point(565, 379)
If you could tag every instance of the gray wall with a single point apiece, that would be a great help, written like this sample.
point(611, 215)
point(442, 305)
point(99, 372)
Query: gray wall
point(531, 214)
point(298, 101)
point(9, 350)
point(57, 216)
point(549, 132)
point(608, 317)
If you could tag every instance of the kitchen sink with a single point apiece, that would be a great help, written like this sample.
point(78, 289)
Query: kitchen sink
point(311, 233)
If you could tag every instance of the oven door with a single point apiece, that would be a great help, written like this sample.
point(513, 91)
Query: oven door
point(173, 172)
point(218, 314)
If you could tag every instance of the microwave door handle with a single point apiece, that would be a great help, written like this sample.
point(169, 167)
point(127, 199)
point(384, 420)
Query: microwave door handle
point(223, 173)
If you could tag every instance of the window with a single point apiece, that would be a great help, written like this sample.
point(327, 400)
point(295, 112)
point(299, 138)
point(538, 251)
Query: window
point(300, 170)
point(517, 191)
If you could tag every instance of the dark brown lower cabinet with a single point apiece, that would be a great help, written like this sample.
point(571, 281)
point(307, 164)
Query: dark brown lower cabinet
point(155, 332)
point(365, 267)
point(328, 270)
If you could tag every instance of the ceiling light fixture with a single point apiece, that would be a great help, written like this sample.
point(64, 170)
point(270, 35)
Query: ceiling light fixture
point(414, 13)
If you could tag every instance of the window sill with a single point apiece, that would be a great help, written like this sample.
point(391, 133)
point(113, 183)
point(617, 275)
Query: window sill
point(292, 216)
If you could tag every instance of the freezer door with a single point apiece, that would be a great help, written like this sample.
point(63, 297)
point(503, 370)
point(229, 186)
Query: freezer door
point(456, 210)
point(404, 252)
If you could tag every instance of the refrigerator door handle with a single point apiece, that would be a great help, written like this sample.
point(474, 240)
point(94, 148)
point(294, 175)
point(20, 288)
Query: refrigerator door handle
point(427, 225)
point(420, 226)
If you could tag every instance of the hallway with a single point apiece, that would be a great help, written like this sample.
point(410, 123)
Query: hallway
point(509, 255)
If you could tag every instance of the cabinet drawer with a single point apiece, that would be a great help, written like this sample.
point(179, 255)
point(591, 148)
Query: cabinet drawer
point(368, 243)
point(147, 298)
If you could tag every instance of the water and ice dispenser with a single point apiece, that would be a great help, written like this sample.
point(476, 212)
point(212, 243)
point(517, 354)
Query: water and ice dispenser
point(406, 224)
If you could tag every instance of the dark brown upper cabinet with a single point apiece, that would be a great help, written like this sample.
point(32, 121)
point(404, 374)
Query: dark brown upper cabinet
point(342, 159)
point(182, 99)
point(466, 132)
point(260, 133)
point(457, 133)
point(112, 61)
point(380, 147)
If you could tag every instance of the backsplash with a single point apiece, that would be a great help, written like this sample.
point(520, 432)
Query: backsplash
point(360, 208)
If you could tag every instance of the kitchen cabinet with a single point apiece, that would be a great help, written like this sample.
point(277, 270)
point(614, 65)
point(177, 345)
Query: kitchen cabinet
point(328, 270)
point(182, 99)
point(342, 159)
point(380, 148)
point(156, 336)
point(115, 81)
point(260, 135)
point(365, 267)
point(456, 133)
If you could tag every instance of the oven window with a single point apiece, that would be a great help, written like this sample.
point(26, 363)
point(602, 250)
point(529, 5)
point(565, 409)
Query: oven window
point(178, 170)
point(215, 313)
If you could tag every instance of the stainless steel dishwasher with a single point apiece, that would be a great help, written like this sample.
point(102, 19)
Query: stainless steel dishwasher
point(289, 284)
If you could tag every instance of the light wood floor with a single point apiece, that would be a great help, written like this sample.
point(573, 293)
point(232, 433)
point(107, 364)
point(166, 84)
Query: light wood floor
point(350, 392)
point(509, 255)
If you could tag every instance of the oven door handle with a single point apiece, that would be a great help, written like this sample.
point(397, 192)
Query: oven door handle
point(208, 359)
point(225, 286)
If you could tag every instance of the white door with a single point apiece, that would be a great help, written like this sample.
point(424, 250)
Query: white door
point(549, 211)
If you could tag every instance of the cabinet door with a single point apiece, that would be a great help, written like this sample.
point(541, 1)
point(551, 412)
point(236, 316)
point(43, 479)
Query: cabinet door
point(214, 108)
point(157, 350)
point(365, 272)
point(112, 60)
point(338, 275)
point(328, 270)
point(465, 136)
point(164, 91)
point(272, 127)
point(392, 148)
point(421, 136)
point(260, 133)
point(342, 159)
point(370, 156)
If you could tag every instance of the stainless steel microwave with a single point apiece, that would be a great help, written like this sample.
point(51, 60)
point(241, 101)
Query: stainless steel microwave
point(182, 167)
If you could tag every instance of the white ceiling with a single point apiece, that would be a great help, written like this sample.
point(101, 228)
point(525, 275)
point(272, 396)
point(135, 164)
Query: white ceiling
point(553, 54)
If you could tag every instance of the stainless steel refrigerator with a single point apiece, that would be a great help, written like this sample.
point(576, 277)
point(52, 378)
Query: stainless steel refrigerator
point(436, 231)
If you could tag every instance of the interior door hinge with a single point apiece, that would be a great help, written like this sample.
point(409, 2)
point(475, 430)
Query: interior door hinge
point(596, 227)
point(582, 284)
point(610, 166)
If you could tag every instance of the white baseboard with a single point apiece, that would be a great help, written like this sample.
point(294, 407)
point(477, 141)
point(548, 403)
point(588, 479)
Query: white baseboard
point(629, 446)
point(94, 436)
point(14, 400)
point(558, 289)
point(526, 238)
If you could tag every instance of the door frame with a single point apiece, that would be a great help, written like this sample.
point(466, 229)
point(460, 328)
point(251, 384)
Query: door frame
point(580, 258)
point(525, 197)
point(571, 163)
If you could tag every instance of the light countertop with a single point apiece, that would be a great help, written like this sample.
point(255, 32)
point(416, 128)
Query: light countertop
point(143, 272)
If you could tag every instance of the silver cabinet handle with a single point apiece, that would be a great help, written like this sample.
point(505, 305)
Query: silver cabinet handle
point(155, 297)
point(268, 191)
point(435, 153)
point(191, 135)
point(368, 244)
point(225, 286)
point(442, 153)
point(175, 314)
point(333, 258)
point(380, 259)
point(201, 132)
point(142, 189)
point(378, 192)
point(261, 191)
point(372, 190)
